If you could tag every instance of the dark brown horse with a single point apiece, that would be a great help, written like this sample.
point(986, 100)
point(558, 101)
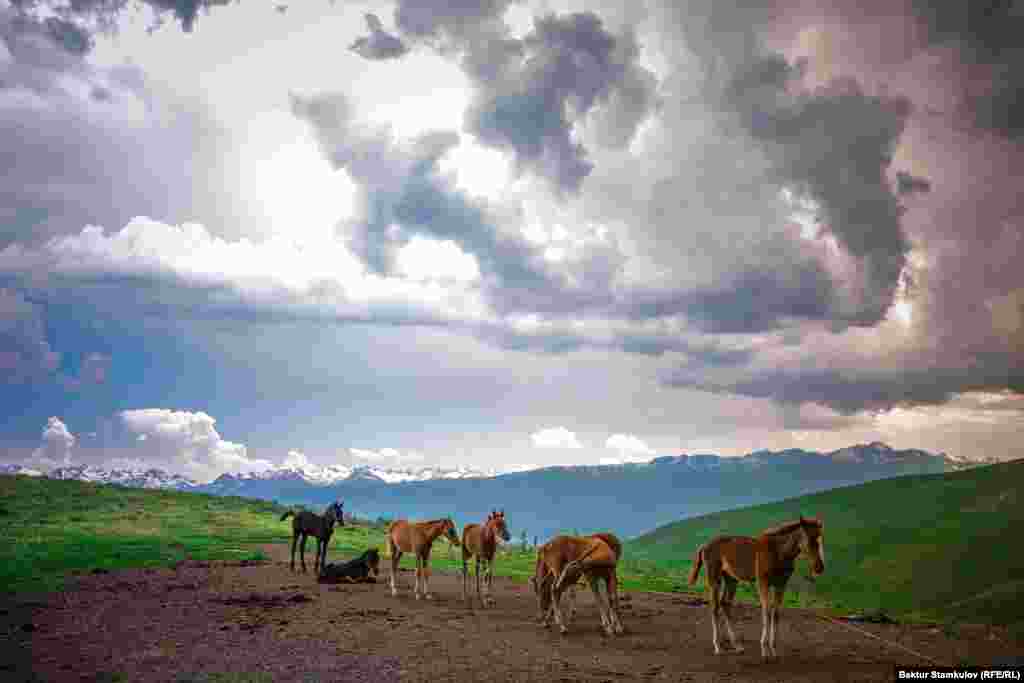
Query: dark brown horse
point(769, 560)
point(417, 538)
point(306, 523)
point(560, 564)
point(481, 541)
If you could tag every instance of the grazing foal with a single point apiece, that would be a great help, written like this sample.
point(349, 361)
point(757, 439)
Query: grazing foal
point(417, 538)
point(560, 563)
point(306, 523)
point(481, 541)
point(769, 560)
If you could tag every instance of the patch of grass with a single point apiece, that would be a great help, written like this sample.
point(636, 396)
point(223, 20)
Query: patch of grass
point(53, 528)
point(926, 547)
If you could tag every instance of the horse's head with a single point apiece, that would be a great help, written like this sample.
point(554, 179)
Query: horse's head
point(373, 560)
point(337, 510)
point(812, 543)
point(448, 529)
point(496, 521)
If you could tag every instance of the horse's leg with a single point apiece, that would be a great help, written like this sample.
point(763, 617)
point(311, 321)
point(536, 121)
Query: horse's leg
point(396, 555)
point(556, 597)
point(295, 541)
point(611, 582)
point(302, 552)
point(477, 581)
point(778, 593)
point(766, 614)
point(416, 586)
point(714, 584)
point(602, 604)
point(426, 574)
point(316, 564)
point(465, 574)
point(490, 581)
point(727, 599)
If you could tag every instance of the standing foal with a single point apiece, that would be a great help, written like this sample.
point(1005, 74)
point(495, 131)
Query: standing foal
point(481, 542)
point(769, 560)
point(306, 523)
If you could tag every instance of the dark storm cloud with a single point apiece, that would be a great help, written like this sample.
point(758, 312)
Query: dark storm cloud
point(450, 19)
point(570, 65)
point(379, 44)
point(403, 193)
point(77, 157)
point(754, 302)
point(833, 144)
point(986, 33)
point(853, 390)
point(531, 93)
point(75, 19)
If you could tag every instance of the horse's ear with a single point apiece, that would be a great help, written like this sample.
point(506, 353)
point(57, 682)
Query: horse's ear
point(801, 519)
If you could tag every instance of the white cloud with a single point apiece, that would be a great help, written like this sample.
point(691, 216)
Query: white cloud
point(555, 437)
point(629, 447)
point(280, 272)
point(390, 456)
point(429, 259)
point(629, 444)
point(187, 443)
point(520, 467)
point(57, 445)
point(296, 460)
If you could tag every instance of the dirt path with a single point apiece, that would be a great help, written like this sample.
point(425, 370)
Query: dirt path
point(200, 618)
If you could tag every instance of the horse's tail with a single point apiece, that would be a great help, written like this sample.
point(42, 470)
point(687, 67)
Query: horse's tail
point(698, 560)
point(285, 515)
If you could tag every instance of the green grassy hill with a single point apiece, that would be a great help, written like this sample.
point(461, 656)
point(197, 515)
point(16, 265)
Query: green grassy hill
point(945, 546)
point(53, 527)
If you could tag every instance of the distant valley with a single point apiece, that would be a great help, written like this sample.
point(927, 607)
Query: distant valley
point(628, 498)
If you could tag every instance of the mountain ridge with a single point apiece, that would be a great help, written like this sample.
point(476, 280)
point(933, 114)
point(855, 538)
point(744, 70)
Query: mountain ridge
point(629, 497)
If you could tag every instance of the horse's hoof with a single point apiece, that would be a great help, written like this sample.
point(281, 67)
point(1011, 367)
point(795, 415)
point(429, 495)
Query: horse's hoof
point(563, 630)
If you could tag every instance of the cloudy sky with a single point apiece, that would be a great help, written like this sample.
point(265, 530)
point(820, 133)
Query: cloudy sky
point(507, 234)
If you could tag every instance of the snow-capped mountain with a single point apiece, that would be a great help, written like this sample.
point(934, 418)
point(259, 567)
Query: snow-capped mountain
point(310, 474)
point(151, 478)
point(20, 469)
point(328, 475)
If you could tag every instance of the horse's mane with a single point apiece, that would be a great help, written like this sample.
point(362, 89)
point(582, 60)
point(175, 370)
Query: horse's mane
point(788, 527)
point(435, 521)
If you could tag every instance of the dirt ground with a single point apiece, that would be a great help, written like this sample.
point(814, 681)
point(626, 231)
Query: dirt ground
point(200, 618)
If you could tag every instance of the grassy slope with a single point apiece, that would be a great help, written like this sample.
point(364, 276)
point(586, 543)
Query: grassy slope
point(54, 528)
point(936, 546)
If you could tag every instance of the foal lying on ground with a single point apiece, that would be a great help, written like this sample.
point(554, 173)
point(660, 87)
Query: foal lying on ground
point(560, 564)
point(363, 569)
point(768, 560)
point(481, 541)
